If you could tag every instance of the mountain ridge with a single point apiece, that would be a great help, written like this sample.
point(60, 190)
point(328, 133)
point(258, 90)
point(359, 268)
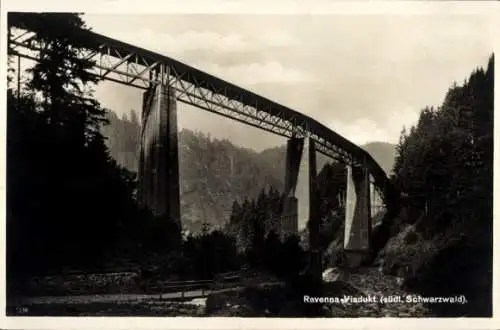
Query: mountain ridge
point(215, 172)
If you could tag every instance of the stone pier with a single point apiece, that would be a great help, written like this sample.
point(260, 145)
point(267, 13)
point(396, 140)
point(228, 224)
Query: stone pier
point(289, 219)
point(358, 225)
point(313, 225)
point(158, 173)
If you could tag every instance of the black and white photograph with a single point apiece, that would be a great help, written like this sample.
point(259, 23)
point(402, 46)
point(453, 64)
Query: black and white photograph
point(334, 165)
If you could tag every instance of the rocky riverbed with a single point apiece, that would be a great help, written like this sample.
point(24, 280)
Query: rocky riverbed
point(388, 292)
point(250, 301)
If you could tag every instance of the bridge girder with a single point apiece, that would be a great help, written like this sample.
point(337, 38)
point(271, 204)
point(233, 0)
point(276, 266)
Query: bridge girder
point(135, 70)
point(132, 66)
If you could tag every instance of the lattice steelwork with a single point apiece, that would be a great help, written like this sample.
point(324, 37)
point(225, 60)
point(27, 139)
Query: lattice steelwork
point(132, 66)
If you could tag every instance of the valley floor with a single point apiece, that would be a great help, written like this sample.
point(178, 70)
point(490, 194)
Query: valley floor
point(264, 300)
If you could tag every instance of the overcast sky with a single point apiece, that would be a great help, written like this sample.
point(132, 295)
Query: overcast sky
point(363, 76)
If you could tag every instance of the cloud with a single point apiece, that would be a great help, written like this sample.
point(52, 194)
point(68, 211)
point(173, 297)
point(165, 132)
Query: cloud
point(246, 60)
point(361, 131)
point(257, 73)
point(365, 130)
point(184, 42)
point(365, 76)
point(276, 38)
point(208, 41)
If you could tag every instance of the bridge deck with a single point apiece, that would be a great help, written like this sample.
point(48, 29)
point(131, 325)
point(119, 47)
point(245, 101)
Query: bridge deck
point(264, 113)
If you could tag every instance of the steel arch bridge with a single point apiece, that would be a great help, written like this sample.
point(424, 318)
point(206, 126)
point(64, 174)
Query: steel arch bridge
point(130, 65)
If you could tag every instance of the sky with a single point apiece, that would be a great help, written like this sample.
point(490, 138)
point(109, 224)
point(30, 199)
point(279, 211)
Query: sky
point(364, 76)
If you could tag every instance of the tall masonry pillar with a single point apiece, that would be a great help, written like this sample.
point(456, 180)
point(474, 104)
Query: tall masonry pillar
point(159, 154)
point(313, 224)
point(290, 216)
point(358, 226)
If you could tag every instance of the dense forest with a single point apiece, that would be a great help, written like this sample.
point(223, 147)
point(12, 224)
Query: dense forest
point(67, 196)
point(444, 167)
point(255, 219)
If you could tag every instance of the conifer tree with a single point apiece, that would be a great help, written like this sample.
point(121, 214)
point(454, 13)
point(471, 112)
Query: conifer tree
point(77, 200)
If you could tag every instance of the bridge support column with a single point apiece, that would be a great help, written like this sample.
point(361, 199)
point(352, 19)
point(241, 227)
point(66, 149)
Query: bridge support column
point(290, 216)
point(315, 266)
point(159, 156)
point(376, 202)
point(357, 234)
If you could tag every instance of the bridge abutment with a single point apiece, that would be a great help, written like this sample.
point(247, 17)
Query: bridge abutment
point(357, 231)
point(159, 154)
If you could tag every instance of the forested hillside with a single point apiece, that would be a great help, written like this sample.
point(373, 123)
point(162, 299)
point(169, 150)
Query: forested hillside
point(443, 239)
point(122, 136)
point(213, 172)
